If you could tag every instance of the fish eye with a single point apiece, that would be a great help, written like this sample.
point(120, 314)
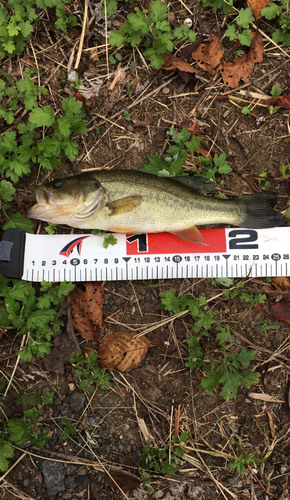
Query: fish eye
point(57, 184)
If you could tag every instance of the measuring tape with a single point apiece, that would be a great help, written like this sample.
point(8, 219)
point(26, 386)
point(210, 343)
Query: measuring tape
point(227, 253)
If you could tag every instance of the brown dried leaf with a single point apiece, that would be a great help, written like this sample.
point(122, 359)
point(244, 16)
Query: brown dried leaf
point(281, 311)
point(172, 62)
point(86, 303)
point(264, 397)
point(257, 6)
point(281, 282)
point(125, 481)
point(281, 100)
point(243, 66)
point(122, 351)
point(188, 49)
point(94, 56)
point(203, 152)
point(209, 55)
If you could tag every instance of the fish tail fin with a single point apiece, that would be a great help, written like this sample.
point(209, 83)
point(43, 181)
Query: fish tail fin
point(258, 211)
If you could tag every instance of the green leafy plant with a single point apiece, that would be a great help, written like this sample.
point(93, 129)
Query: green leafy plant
point(109, 7)
point(164, 461)
point(252, 299)
point(284, 169)
point(127, 115)
point(109, 240)
point(30, 428)
point(153, 30)
point(50, 228)
point(20, 149)
point(7, 192)
point(226, 370)
point(241, 31)
point(279, 9)
point(244, 460)
point(266, 327)
point(115, 58)
point(40, 316)
point(87, 368)
point(262, 180)
point(69, 429)
point(16, 22)
point(183, 150)
point(245, 110)
point(226, 6)
point(275, 91)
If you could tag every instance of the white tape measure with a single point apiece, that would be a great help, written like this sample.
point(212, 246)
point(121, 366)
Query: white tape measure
point(225, 253)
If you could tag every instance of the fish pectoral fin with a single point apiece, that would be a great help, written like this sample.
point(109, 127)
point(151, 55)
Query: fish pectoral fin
point(124, 205)
point(190, 234)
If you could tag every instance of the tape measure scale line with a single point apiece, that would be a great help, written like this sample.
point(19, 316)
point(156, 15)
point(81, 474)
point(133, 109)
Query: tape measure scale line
point(226, 253)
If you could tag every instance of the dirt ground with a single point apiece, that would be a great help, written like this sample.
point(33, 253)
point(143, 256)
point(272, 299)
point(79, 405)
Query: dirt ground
point(101, 461)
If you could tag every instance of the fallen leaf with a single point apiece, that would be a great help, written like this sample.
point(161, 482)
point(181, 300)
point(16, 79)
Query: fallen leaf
point(86, 303)
point(190, 80)
point(123, 351)
point(281, 311)
point(64, 345)
point(203, 152)
point(172, 62)
point(148, 438)
point(283, 101)
point(91, 88)
point(243, 66)
point(209, 55)
point(125, 481)
point(188, 49)
point(79, 97)
point(94, 55)
point(281, 282)
point(257, 6)
point(264, 397)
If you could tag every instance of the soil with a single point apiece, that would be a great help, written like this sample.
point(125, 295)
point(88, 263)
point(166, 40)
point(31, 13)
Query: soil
point(144, 407)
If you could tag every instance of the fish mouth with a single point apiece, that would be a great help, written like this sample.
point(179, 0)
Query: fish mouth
point(47, 208)
point(74, 211)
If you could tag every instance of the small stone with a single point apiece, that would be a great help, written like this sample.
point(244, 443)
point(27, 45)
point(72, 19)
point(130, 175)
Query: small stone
point(26, 482)
point(72, 76)
point(188, 22)
point(53, 474)
point(77, 401)
point(82, 480)
point(70, 482)
point(71, 469)
point(92, 421)
point(282, 468)
point(67, 496)
point(165, 91)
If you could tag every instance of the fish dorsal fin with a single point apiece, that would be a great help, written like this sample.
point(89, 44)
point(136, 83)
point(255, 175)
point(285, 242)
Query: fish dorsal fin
point(124, 205)
point(190, 234)
point(197, 183)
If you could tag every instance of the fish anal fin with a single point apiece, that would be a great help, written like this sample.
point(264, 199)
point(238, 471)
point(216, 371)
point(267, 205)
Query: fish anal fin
point(124, 205)
point(190, 234)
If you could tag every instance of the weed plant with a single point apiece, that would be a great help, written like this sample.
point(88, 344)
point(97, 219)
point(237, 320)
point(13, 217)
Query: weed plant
point(223, 369)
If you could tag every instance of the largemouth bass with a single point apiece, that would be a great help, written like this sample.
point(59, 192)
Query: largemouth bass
point(135, 202)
